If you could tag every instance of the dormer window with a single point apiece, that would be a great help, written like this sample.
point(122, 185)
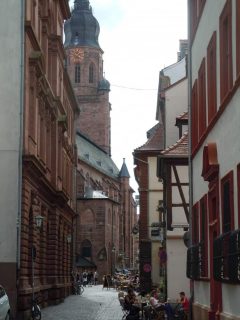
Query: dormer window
point(77, 73)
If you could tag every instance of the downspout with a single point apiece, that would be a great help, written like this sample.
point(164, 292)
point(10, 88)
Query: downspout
point(190, 170)
point(20, 153)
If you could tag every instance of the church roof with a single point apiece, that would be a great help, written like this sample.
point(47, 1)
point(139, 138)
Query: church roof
point(93, 155)
point(124, 171)
point(82, 29)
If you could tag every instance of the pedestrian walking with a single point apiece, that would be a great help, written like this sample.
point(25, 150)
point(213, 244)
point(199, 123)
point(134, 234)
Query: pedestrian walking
point(84, 276)
point(95, 276)
point(105, 282)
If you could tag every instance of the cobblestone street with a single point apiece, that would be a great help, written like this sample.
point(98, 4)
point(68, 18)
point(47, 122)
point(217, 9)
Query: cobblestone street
point(94, 304)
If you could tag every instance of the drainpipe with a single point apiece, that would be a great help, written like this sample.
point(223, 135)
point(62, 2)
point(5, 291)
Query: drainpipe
point(190, 171)
point(20, 153)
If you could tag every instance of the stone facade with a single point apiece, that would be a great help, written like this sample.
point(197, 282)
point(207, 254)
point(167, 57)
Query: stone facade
point(49, 163)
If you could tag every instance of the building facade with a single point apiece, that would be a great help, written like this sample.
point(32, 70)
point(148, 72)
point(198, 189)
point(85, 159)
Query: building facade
point(150, 192)
point(213, 263)
point(172, 169)
point(107, 211)
point(46, 161)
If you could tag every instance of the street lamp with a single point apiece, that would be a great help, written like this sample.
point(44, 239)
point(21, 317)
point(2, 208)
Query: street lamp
point(38, 222)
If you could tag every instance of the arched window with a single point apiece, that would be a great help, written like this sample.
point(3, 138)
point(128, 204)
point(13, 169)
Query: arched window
point(77, 73)
point(91, 73)
point(86, 249)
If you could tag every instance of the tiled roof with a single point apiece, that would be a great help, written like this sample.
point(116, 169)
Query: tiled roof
point(179, 149)
point(183, 116)
point(155, 140)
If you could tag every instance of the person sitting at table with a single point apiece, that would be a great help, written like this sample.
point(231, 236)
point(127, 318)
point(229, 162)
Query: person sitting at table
point(154, 303)
point(131, 303)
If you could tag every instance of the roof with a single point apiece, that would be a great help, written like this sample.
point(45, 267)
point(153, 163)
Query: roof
point(155, 140)
point(94, 156)
point(179, 149)
point(124, 171)
point(84, 263)
point(183, 116)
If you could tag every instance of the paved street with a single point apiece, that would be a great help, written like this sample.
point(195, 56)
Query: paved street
point(94, 304)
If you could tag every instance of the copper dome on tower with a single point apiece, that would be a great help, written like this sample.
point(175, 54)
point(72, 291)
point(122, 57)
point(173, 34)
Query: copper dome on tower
point(82, 29)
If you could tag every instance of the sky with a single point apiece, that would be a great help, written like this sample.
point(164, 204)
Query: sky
point(139, 38)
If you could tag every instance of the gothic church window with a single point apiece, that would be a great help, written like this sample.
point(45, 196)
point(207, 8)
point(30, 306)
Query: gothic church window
point(91, 73)
point(86, 249)
point(77, 73)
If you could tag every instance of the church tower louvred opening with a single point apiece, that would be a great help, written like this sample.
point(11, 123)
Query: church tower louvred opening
point(85, 68)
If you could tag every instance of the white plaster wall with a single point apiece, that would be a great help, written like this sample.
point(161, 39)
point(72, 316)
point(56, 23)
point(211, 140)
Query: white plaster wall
point(10, 75)
point(176, 268)
point(226, 135)
point(230, 298)
point(176, 104)
point(202, 293)
point(208, 24)
point(154, 195)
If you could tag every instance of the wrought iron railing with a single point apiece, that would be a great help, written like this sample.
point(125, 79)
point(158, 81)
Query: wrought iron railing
point(193, 266)
point(226, 257)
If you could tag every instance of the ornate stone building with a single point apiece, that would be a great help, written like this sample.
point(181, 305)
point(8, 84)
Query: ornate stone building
point(107, 211)
point(46, 162)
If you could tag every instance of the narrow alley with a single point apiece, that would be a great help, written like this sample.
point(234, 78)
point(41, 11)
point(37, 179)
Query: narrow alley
point(94, 304)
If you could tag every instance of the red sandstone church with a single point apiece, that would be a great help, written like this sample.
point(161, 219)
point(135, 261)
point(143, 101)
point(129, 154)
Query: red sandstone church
point(105, 205)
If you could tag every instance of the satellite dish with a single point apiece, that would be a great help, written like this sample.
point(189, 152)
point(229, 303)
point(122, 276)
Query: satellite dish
point(186, 239)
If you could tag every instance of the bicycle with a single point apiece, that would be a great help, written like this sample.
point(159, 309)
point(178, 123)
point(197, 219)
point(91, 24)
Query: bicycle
point(35, 310)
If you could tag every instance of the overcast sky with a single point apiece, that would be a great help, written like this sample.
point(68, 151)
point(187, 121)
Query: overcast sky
point(138, 38)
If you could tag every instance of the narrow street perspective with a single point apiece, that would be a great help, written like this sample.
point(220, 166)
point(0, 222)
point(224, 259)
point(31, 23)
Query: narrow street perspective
point(119, 160)
point(95, 303)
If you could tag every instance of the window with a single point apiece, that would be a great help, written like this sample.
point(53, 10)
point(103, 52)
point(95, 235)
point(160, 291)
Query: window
point(195, 224)
point(77, 73)
point(194, 128)
point(203, 238)
point(227, 203)
point(238, 36)
point(91, 73)
point(86, 249)
point(202, 98)
point(225, 27)
point(211, 78)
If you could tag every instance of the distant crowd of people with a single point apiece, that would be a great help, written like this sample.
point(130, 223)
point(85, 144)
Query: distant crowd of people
point(87, 277)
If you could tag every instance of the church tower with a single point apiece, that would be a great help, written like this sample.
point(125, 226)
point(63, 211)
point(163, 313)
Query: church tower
point(85, 68)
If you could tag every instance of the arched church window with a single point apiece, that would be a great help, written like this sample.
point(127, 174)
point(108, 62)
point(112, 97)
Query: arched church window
point(91, 73)
point(86, 249)
point(77, 73)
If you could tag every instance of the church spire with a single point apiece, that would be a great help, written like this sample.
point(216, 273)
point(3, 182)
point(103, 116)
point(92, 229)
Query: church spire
point(124, 171)
point(82, 29)
point(82, 5)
